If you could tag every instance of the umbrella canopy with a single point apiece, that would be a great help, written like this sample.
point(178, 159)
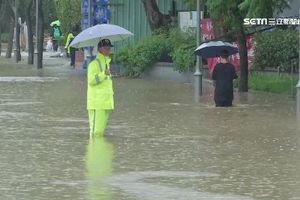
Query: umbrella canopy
point(91, 36)
point(56, 22)
point(214, 48)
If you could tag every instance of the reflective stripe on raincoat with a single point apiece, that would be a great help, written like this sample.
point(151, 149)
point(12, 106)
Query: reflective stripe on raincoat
point(99, 86)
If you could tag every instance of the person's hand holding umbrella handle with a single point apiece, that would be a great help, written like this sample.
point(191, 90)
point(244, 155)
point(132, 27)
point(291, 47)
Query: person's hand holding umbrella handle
point(107, 71)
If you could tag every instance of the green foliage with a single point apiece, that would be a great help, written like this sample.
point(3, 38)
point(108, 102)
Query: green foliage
point(183, 46)
point(163, 43)
point(231, 12)
point(258, 8)
point(275, 49)
point(184, 59)
point(272, 83)
point(191, 3)
point(4, 37)
point(236, 82)
point(69, 14)
point(50, 13)
point(135, 59)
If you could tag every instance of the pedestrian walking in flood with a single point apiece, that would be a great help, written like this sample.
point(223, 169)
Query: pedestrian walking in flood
point(223, 75)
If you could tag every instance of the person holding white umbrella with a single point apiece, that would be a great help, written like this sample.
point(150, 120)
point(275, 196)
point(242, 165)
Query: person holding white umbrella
point(100, 95)
point(100, 100)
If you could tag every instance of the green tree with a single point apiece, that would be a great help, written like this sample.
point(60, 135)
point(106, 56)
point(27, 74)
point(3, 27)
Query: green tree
point(7, 20)
point(232, 13)
point(276, 49)
point(50, 13)
point(69, 13)
point(228, 16)
point(191, 3)
point(1, 24)
point(25, 11)
point(27, 14)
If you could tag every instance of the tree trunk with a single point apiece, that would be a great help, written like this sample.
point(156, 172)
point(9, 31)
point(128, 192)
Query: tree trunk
point(0, 38)
point(17, 33)
point(218, 27)
point(155, 18)
point(242, 40)
point(30, 34)
point(10, 39)
point(2, 11)
point(40, 38)
point(243, 86)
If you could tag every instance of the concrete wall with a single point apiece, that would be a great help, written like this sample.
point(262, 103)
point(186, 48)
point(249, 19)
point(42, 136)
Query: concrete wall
point(165, 71)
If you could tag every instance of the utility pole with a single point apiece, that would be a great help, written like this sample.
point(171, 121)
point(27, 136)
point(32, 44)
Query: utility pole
point(198, 73)
point(298, 85)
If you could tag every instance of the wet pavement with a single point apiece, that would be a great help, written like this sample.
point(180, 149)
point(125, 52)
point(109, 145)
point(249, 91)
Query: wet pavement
point(158, 144)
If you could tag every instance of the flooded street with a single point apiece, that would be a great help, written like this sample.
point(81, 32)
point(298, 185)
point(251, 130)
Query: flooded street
point(159, 145)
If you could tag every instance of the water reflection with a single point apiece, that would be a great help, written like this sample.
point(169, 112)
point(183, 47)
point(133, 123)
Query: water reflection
point(98, 168)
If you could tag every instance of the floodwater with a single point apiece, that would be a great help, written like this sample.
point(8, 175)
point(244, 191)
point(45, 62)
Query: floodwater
point(159, 145)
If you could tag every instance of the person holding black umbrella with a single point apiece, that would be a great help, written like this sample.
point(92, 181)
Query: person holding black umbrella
point(223, 75)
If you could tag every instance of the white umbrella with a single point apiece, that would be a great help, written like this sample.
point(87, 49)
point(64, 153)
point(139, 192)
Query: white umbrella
point(92, 35)
point(214, 48)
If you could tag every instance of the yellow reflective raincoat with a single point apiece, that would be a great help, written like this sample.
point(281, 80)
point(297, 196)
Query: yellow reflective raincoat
point(69, 39)
point(100, 93)
point(100, 88)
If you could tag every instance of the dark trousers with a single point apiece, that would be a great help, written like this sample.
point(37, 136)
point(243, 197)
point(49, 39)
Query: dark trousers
point(72, 55)
point(55, 45)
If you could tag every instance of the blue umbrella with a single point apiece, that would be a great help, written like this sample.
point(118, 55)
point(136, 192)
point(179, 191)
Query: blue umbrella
point(214, 48)
point(91, 36)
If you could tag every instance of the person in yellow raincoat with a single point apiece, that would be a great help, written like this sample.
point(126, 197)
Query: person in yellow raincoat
point(70, 50)
point(70, 37)
point(100, 100)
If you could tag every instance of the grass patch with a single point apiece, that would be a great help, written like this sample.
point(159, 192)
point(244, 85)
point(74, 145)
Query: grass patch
point(283, 84)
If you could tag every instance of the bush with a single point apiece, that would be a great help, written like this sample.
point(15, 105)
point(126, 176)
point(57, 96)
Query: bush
point(135, 59)
point(158, 47)
point(275, 49)
point(183, 46)
point(183, 58)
